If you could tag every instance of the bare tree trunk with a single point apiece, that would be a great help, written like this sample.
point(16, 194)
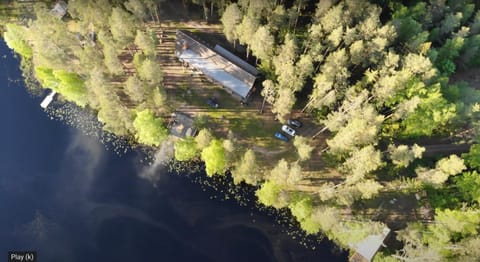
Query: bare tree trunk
point(152, 16)
point(326, 51)
point(296, 18)
point(130, 51)
point(311, 101)
point(307, 105)
point(399, 257)
point(156, 15)
point(263, 105)
point(387, 117)
point(319, 132)
point(306, 45)
point(211, 8)
point(464, 132)
point(205, 10)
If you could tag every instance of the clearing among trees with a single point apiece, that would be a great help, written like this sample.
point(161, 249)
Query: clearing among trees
point(374, 82)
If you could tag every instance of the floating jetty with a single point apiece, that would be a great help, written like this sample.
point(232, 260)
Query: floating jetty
point(48, 99)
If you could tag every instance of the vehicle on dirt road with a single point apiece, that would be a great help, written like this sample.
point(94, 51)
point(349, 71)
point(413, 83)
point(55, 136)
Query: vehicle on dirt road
point(295, 123)
point(281, 136)
point(290, 131)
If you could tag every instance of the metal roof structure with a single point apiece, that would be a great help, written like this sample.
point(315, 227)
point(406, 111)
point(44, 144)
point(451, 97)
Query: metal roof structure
point(237, 60)
point(368, 247)
point(228, 70)
point(60, 9)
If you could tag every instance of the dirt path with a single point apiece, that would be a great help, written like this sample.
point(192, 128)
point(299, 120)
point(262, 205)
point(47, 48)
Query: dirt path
point(471, 76)
point(188, 91)
point(445, 149)
point(268, 152)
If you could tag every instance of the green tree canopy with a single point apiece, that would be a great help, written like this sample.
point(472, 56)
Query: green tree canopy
point(368, 188)
point(203, 139)
point(147, 42)
point(304, 149)
point(232, 16)
point(135, 88)
point(279, 174)
point(283, 103)
point(110, 53)
point(433, 112)
point(352, 232)
point(137, 8)
point(268, 194)
point(402, 155)
point(122, 26)
point(472, 158)
point(361, 129)
point(469, 186)
point(361, 163)
point(150, 71)
point(96, 12)
point(445, 167)
point(247, 169)
point(246, 30)
point(185, 149)
point(301, 209)
point(465, 222)
point(263, 46)
point(150, 130)
point(269, 91)
point(451, 165)
point(214, 158)
point(69, 85)
point(326, 216)
point(15, 37)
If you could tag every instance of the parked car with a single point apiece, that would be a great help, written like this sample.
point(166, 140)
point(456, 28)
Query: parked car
point(288, 130)
point(281, 136)
point(212, 102)
point(295, 123)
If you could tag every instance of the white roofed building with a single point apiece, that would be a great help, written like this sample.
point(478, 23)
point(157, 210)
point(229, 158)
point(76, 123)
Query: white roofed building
point(217, 64)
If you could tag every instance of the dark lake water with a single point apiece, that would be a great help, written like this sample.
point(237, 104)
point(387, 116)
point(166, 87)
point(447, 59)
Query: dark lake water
point(65, 196)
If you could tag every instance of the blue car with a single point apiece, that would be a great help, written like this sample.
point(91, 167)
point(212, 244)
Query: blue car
point(281, 136)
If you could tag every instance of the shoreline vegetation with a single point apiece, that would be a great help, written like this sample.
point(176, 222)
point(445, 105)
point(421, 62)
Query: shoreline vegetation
point(384, 89)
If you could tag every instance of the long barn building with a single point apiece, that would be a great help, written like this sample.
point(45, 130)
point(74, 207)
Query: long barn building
point(217, 64)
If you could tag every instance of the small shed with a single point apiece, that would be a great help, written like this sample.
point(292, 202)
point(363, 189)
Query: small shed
point(59, 9)
point(366, 249)
point(181, 125)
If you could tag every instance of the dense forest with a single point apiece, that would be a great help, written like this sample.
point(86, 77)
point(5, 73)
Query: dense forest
point(379, 78)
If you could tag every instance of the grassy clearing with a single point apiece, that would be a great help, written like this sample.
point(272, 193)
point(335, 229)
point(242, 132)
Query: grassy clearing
point(188, 91)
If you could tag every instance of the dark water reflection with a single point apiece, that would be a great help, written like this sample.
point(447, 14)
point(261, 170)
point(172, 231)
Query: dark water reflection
point(64, 195)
